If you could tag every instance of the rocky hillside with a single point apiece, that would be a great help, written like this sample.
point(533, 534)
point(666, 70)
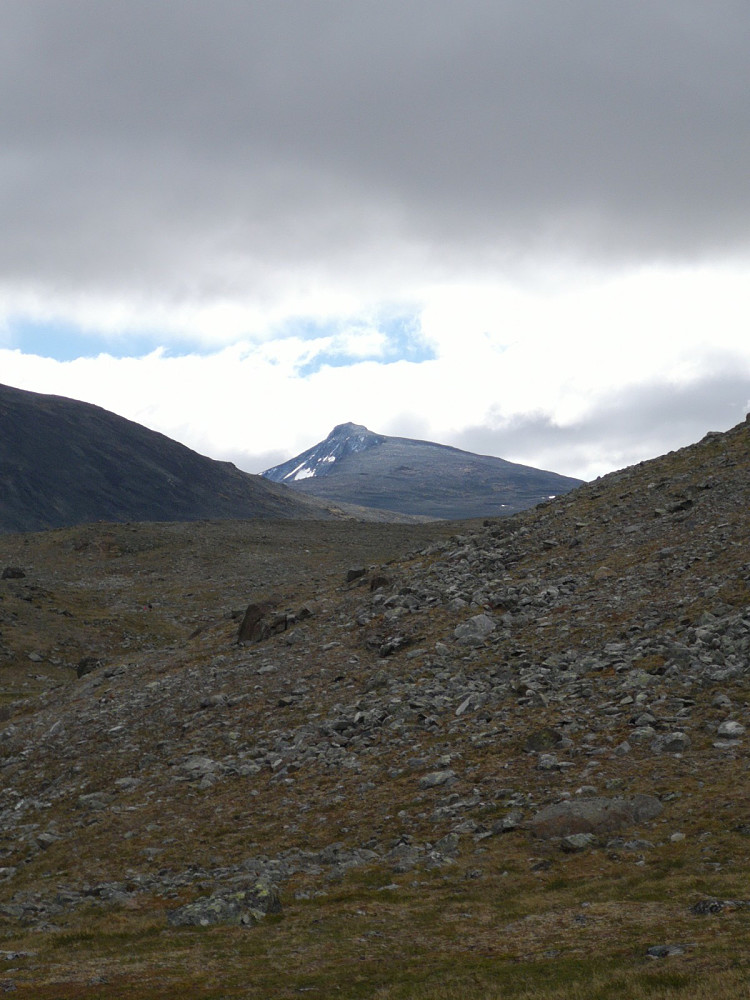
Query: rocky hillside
point(63, 462)
point(511, 761)
point(353, 465)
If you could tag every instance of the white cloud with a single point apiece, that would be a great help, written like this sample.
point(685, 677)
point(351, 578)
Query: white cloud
point(505, 358)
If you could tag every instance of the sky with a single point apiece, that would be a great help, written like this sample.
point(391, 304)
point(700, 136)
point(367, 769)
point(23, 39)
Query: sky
point(520, 227)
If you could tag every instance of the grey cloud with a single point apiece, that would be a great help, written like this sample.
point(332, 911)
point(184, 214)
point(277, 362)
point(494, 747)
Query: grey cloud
point(636, 424)
point(204, 148)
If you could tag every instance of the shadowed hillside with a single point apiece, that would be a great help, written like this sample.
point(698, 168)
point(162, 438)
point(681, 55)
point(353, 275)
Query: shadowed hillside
point(64, 462)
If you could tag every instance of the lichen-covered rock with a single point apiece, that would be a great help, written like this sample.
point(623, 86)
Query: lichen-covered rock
point(671, 743)
point(242, 908)
point(437, 779)
point(731, 729)
point(404, 857)
point(577, 842)
point(475, 630)
point(594, 815)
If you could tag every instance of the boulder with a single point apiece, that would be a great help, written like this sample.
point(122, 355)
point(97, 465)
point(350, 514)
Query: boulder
point(260, 622)
point(542, 740)
point(87, 664)
point(594, 815)
point(241, 908)
point(731, 729)
point(577, 842)
point(404, 857)
point(671, 743)
point(438, 778)
point(475, 630)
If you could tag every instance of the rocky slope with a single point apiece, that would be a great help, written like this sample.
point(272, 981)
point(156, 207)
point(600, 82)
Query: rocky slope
point(353, 465)
point(515, 756)
point(63, 462)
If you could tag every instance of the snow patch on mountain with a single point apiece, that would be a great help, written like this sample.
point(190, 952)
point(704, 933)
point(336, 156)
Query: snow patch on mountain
point(344, 439)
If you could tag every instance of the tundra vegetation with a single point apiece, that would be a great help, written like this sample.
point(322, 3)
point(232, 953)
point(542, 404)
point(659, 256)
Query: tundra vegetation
point(501, 758)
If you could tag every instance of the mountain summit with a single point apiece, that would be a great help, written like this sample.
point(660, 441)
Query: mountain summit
point(354, 465)
point(344, 440)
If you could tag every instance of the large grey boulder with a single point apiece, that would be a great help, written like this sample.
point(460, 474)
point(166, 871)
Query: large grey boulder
point(475, 630)
point(594, 815)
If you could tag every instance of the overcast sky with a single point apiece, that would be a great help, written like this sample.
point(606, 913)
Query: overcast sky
point(517, 226)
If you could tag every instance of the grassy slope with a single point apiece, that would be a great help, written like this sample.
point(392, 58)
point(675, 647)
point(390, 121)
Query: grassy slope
point(512, 917)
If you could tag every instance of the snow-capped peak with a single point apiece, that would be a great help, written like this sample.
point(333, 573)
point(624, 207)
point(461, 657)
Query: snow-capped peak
point(344, 439)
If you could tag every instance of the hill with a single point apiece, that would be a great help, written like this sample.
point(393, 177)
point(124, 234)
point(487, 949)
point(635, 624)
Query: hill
point(354, 465)
point(500, 758)
point(63, 462)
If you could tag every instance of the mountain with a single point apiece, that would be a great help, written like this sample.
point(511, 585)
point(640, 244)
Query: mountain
point(504, 760)
point(354, 465)
point(64, 462)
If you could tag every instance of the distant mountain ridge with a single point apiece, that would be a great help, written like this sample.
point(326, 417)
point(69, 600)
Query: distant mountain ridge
point(344, 440)
point(354, 465)
point(64, 462)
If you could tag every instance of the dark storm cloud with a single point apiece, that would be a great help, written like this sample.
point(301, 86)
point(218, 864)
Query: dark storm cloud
point(635, 424)
point(194, 148)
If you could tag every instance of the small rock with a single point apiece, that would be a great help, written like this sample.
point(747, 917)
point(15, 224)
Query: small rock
point(13, 573)
point(548, 762)
point(94, 800)
point(508, 823)
point(392, 645)
point(586, 791)
point(464, 705)
point(448, 845)
point(45, 840)
point(705, 906)
point(437, 778)
point(665, 950)
point(576, 842)
point(642, 733)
